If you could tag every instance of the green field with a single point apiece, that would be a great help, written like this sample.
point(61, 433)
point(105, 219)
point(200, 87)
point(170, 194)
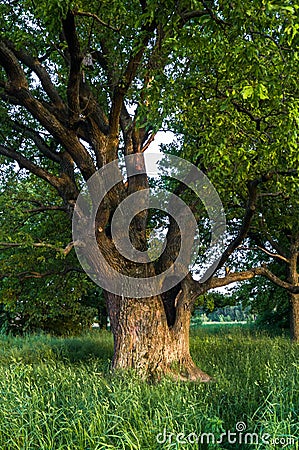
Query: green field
point(59, 394)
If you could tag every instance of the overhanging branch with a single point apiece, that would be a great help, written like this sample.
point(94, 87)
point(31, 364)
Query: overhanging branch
point(18, 88)
point(29, 165)
point(35, 65)
point(198, 288)
point(64, 251)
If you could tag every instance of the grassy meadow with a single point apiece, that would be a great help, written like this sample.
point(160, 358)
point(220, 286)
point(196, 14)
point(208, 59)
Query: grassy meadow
point(58, 393)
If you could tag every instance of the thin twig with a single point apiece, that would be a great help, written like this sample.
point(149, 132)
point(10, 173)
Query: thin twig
point(95, 17)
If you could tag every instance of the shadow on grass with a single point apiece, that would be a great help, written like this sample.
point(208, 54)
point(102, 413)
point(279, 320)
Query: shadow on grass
point(37, 348)
point(94, 345)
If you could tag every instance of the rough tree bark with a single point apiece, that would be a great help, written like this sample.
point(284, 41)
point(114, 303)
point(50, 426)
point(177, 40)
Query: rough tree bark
point(145, 341)
point(294, 299)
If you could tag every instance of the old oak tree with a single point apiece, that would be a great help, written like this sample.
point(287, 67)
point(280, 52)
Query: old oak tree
point(83, 83)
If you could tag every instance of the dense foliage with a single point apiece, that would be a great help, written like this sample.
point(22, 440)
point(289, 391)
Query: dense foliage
point(42, 285)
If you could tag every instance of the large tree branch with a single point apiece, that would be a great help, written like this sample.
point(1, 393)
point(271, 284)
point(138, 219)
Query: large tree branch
point(173, 235)
point(247, 219)
point(14, 71)
point(18, 88)
point(45, 79)
point(64, 184)
point(95, 127)
point(63, 158)
point(29, 165)
point(38, 141)
point(128, 76)
point(198, 288)
point(76, 58)
point(90, 109)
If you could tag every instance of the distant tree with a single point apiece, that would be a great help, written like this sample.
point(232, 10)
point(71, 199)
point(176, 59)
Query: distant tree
point(268, 302)
point(275, 233)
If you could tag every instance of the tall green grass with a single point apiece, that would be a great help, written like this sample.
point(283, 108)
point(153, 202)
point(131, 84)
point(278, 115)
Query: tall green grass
point(59, 394)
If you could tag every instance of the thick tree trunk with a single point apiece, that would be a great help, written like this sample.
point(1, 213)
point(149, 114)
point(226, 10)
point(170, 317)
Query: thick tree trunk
point(294, 298)
point(294, 317)
point(145, 342)
point(151, 335)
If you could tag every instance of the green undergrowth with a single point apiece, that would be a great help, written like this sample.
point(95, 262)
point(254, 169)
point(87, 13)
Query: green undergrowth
point(58, 393)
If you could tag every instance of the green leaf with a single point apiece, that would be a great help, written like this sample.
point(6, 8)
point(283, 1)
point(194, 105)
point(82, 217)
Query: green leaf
point(262, 92)
point(247, 92)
